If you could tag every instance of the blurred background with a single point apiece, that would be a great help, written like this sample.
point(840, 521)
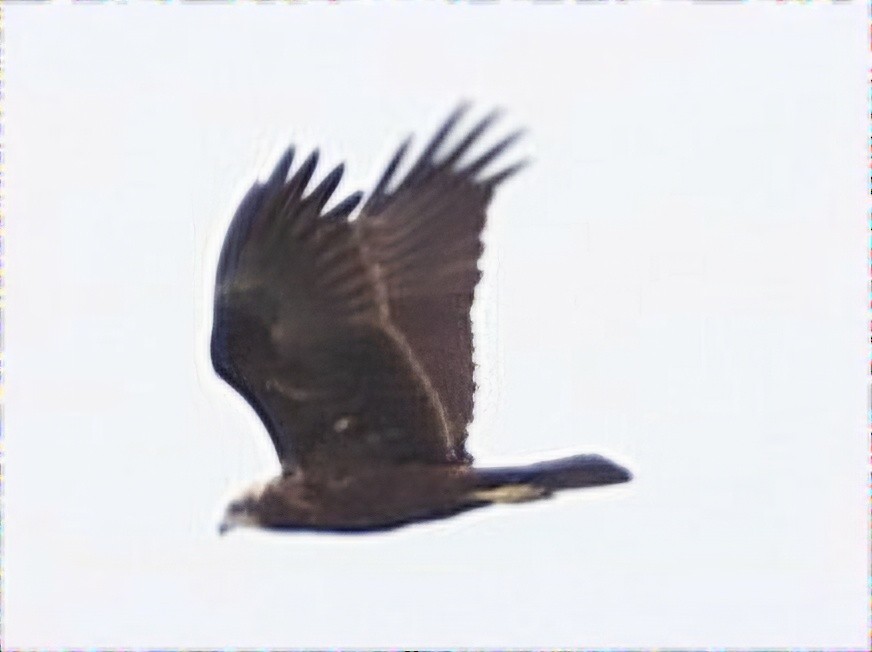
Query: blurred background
point(679, 281)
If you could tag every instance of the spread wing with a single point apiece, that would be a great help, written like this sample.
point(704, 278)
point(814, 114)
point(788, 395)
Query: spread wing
point(301, 332)
point(424, 237)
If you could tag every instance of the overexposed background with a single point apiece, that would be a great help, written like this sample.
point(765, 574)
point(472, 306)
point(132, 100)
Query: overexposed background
point(678, 281)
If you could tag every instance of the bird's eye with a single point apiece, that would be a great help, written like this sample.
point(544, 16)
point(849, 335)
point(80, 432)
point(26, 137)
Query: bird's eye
point(236, 508)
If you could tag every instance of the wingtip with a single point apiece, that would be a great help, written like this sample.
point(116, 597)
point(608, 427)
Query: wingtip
point(460, 109)
point(337, 172)
point(494, 115)
point(324, 190)
point(484, 160)
point(344, 208)
point(471, 138)
point(281, 169)
point(506, 173)
point(441, 134)
point(303, 175)
point(404, 146)
point(312, 159)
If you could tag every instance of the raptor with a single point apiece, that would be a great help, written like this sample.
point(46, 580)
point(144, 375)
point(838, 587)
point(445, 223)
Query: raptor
point(348, 331)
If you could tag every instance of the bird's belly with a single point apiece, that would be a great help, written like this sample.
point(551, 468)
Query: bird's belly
point(383, 501)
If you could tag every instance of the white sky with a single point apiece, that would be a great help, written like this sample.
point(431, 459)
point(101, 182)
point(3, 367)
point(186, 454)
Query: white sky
point(678, 281)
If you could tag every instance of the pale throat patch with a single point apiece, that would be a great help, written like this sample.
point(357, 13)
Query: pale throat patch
point(240, 520)
point(510, 493)
point(245, 519)
point(256, 490)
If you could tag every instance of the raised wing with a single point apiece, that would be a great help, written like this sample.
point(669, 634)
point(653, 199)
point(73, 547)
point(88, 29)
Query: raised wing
point(424, 237)
point(299, 331)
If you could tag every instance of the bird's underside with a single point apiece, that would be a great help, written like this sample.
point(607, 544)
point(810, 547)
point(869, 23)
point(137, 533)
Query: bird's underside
point(352, 340)
point(389, 496)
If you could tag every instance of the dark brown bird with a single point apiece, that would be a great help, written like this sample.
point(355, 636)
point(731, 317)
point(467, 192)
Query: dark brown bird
point(352, 341)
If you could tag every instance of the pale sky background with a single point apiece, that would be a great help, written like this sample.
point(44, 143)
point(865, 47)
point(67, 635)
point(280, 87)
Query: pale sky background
point(678, 281)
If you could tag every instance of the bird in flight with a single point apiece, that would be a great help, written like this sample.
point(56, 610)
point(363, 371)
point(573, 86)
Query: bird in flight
point(352, 341)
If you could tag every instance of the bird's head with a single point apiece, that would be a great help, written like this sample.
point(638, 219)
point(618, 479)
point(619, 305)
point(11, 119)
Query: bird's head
point(243, 511)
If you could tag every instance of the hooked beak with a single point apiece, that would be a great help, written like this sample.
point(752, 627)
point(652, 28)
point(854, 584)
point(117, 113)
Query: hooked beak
point(233, 521)
point(225, 526)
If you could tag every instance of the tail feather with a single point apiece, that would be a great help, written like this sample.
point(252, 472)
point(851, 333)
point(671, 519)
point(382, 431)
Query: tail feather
point(567, 473)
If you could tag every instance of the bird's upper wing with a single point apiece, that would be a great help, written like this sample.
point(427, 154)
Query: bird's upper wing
point(301, 332)
point(423, 236)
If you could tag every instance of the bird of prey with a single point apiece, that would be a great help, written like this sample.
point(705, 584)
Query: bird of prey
point(352, 341)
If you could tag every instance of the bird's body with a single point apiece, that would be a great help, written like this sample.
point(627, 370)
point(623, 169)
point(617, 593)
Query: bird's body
point(387, 496)
point(374, 498)
point(352, 340)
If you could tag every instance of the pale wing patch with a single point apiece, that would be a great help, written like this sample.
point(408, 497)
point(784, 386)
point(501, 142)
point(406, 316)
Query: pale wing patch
point(510, 493)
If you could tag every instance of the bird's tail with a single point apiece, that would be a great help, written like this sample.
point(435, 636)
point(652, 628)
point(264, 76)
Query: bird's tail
point(523, 483)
